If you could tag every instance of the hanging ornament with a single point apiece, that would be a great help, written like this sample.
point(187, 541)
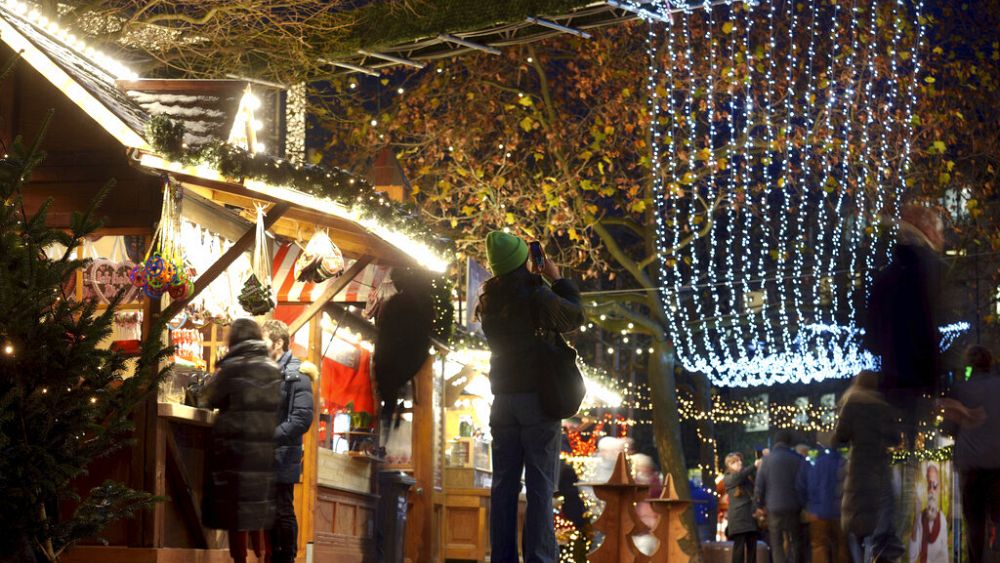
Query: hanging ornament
point(162, 270)
point(320, 260)
point(256, 297)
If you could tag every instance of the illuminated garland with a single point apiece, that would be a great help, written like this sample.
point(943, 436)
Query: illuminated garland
point(166, 137)
point(936, 454)
point(789, 137)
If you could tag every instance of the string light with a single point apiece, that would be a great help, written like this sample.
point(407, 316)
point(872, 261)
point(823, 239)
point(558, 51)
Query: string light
point(806, 170)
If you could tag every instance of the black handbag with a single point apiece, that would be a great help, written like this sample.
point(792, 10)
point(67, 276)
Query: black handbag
point(560, 387)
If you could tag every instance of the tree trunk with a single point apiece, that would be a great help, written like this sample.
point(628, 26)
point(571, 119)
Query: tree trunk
point(667, 435)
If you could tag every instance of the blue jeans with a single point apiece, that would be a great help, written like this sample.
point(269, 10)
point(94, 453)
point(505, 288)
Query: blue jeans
point(524, 439)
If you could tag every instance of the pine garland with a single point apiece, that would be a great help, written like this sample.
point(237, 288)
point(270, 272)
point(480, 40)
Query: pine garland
point(166, 137)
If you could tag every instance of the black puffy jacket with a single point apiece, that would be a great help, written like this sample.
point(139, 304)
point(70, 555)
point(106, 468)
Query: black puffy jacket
point(240, 493)
point(511, 329)
point(295, 418)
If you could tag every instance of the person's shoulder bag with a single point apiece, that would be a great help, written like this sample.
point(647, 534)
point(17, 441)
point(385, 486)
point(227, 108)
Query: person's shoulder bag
point(560, 385)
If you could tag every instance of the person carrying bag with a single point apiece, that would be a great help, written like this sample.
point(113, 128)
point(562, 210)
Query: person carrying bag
point(532, 374)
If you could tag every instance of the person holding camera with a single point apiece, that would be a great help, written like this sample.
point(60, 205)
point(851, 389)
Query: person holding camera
point(515, 305)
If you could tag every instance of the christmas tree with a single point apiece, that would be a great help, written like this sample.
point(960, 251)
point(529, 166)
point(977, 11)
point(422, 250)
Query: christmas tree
point(64, 400)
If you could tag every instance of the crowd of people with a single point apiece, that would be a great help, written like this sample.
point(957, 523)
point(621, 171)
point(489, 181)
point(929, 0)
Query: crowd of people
point(834, 508)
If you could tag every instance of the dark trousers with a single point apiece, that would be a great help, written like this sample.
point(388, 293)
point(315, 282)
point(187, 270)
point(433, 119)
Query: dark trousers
point(784, 526)
point(980, 497)
point(744, 547)
point(524, 439)
point(285, 534)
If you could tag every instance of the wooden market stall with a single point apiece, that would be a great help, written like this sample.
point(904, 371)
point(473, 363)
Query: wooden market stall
point(100, 133)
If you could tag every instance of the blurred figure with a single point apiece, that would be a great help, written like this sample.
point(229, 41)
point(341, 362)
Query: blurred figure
point(820, 488)
point(742, 529)
point(867, 424)
point(972, 415)
point(705, 510)
point(240, 495)
point(929, 541)
point(902, 317)
point(776, 494)
point(646, 474)
point(608, 449)
point(803, 450)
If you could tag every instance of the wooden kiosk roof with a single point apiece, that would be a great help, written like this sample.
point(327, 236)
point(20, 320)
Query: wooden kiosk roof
point(123, 104)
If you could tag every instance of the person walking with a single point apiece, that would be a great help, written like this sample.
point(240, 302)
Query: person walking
point(972, 415)
point(514, 306)
point(776, 494)
point(868, 425)
point(742, 529)
point(819, 486)
point(240, 493)
point(294, 419)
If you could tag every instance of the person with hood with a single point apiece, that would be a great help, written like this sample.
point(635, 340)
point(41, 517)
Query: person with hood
point(742, 529)
point(294, 419)
point(867, 424)
point(776, 494)
point(515, 306)
point(240, 492)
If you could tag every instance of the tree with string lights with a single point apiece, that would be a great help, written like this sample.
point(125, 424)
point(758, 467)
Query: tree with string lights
point(65, 400)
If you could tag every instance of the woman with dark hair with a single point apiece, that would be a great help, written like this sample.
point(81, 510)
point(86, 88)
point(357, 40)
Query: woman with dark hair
point(241, 490)
point(516, 309)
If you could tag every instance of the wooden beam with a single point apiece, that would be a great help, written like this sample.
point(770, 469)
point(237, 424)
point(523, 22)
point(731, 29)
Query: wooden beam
point(220, 265)
point(331, 292)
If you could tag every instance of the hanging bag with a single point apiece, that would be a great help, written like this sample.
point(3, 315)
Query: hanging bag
point(256, 297)
point(560, 385)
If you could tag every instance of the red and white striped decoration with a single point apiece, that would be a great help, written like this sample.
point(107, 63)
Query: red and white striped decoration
point(290, 290)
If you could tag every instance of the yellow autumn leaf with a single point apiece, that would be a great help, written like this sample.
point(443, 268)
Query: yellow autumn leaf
point(526, 101)
point(509, 218)
point(527, 124)
point(727, 27)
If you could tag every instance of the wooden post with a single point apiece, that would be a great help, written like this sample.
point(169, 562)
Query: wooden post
point(305, 493)
point(419, 525)
point(670, 529)
point(619, 520)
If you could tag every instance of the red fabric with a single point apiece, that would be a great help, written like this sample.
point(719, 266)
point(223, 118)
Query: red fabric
point(339, 384)
point(930, 534)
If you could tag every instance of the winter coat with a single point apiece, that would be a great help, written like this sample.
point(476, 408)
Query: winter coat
point(294, 420)
point(511, 332)
point(775, 486)
point(979, 447)
point(739, 487)
point(868, 424)
point(240, 493)
point(901, 325)
point(820, 486)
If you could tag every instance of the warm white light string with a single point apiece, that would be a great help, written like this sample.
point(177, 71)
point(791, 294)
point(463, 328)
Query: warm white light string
point(804, 180)
point(114, 68)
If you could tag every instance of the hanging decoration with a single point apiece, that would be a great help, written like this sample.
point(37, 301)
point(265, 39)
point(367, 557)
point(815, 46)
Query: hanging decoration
point(162, 270)
point(104, 278)
point(781, 138)
point(320, 261)
point(256, 297)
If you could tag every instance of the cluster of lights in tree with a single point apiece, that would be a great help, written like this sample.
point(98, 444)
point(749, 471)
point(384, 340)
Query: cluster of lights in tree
point(108, 64)
point(776, 161)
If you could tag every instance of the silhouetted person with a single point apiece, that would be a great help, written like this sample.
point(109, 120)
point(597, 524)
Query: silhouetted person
point(820, 488)
point(776, 494)
point(742, 528)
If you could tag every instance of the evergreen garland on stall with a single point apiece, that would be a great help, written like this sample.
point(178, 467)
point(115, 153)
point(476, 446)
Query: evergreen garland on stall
point(166, 137)
point(64, 399)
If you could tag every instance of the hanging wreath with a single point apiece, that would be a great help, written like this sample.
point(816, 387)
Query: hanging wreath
point(256, 297)
point(162, 269)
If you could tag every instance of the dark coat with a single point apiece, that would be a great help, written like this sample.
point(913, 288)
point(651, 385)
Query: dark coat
point(902, 320)
point(402, 341)
point(739, 487)
point(868, 425)
point(776, 479)
point(511, 329)
point(821, 485)
point(294, 420)
point(240, 493)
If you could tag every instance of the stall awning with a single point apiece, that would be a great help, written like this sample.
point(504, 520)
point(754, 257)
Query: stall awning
point(290, 290)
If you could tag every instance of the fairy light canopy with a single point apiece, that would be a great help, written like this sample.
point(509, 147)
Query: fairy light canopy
point(781, 136)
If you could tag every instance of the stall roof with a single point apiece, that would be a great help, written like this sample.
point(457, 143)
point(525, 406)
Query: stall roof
point(123, 104)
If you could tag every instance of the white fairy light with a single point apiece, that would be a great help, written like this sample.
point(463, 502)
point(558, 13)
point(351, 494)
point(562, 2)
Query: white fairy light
point(802, 131)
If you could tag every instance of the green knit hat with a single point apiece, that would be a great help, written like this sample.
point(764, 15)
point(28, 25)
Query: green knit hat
point(505, 252)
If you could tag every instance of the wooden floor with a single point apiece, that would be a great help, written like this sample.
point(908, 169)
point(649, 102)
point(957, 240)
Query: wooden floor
point(100, 554)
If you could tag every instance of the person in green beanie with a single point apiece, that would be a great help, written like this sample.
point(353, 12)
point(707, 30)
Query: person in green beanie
point(514, 305)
